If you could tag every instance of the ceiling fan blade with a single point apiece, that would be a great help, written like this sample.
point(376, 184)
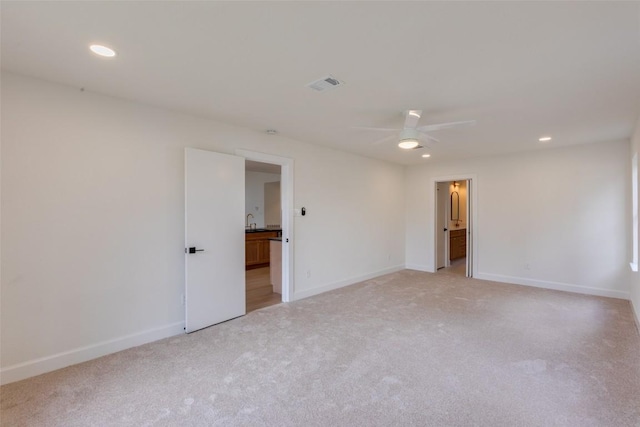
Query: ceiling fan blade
point(385, 139)
point(430, 138)
point(440, 126)
point(375, 129)
point(411, 118)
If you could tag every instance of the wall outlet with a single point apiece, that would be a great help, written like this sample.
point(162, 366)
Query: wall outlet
point(527, 266)
point(308, 274)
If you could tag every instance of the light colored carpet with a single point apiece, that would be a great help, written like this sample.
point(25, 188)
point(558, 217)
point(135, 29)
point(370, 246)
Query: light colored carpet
point(408, 348)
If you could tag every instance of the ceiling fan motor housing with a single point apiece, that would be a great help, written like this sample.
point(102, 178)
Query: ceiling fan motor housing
point(408, 133)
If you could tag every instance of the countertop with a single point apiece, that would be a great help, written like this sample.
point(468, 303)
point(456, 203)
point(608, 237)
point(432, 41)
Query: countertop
point(261, 230)
point(276, 239)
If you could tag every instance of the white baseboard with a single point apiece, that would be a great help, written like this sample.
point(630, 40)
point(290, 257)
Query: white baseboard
point(552, 285)
point(42, 365)
point(420, 267)
point(342, 283)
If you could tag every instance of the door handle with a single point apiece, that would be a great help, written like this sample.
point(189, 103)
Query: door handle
point(192, 250)
point(446, 229)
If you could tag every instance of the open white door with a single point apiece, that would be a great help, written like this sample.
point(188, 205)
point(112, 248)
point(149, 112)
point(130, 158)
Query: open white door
point(214, 238)
point(442, 200)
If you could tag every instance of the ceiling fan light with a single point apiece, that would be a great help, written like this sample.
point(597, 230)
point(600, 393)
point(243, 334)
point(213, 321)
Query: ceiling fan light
point(101, 50)
point(408, 143)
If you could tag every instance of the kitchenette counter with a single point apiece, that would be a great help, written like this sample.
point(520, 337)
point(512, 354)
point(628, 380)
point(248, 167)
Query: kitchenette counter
point(262, 230)
point(257, 246)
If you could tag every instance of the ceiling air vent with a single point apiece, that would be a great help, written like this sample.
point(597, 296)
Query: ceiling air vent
point(325, 84)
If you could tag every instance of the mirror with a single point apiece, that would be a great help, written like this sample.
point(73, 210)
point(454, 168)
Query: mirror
point(455, 206)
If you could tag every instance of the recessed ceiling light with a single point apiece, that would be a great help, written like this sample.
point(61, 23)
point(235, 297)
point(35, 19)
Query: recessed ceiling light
point(426, 155)
point(414, 113)
point(101, 50)
point(408, 143)
point(544, 139)
point(271, 131)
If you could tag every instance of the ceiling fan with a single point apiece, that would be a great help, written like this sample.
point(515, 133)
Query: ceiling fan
point(410, 133)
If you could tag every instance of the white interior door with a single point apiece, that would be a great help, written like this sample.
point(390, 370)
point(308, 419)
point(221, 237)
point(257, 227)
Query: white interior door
point(214, 226)
point(442, 200)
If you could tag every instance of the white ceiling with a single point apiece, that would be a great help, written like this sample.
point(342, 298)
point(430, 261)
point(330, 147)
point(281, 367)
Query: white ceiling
point(521, 69)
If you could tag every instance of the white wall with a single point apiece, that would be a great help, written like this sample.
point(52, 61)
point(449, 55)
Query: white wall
point(562, 212)
point(634, 288)
point(93, 220)
point(254, 195)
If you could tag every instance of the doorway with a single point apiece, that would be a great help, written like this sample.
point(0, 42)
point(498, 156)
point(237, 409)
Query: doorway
point(286, 166)
point(453, 226)
point(215, 278)
point(263, 235)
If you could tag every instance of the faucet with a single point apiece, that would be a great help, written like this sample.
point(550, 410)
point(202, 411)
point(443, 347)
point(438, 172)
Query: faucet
point(247, 223)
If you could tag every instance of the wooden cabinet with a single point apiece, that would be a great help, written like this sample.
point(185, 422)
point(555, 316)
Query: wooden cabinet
point(256, 249)
point(457, 243)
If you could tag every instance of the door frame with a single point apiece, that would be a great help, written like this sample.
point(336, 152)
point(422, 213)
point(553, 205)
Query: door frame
point(472, 219)
point(286, 203)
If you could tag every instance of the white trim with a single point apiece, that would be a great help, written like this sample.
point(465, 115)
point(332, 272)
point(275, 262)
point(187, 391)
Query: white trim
point(342, 283)
point(42, 365)
point(286, 199)
point(420, 267)
point(567, 287)
point(634, 212)
point(470, 226)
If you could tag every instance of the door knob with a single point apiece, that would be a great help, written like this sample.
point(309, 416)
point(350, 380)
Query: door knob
point(192, 250)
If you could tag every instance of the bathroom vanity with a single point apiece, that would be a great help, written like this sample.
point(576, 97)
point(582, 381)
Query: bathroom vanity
point(457, 243)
